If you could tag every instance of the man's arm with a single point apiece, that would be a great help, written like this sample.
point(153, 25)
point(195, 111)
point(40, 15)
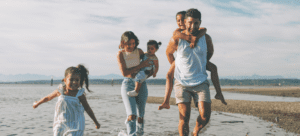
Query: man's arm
point(210, 47)
point(171, 48)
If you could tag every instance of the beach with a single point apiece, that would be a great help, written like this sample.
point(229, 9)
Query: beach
point(18, 118)
point(285, 114)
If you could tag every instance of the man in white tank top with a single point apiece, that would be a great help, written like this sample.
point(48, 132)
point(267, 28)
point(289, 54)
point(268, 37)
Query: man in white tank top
point(190, 74)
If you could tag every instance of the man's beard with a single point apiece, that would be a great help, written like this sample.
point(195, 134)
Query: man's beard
point(193, 31)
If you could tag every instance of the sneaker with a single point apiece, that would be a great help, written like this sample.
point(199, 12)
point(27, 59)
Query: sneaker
point(140, 129)
point(132, 93)
point(122, 133)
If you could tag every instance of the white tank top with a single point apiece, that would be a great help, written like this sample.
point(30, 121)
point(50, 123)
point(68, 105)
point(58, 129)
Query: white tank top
point(132, 59)
point(190, 64)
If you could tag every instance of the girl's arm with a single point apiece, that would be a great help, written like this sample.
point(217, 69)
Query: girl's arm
point(156, 67)
point(190, 38)
point(49, 97)
point(127, 72)
point(88, 110)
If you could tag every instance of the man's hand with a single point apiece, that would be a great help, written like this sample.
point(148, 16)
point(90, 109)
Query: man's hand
point(164, 106)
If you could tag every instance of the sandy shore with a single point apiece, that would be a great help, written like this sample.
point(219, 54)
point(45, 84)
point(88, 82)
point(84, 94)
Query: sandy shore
point(288, 113)
point(289, 91)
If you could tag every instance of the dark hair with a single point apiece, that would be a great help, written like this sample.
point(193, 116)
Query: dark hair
point(153, 42)
point(127, 36)
point(194, 13)
point(180, 13)
point(83, 72)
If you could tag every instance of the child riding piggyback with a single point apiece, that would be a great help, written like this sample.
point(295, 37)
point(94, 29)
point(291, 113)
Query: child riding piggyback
point(146, 72)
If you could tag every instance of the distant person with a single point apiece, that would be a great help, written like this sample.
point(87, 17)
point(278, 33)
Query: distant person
point(209, 66)
point(129, 60)
point(69, 117)
point(190, 73)
point(146, 72)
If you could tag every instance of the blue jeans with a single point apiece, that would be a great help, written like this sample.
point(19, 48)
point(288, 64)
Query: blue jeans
point(134, 105)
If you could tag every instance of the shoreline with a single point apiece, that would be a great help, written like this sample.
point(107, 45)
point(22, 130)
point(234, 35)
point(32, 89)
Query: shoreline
point(285, 92)
point(288, 116)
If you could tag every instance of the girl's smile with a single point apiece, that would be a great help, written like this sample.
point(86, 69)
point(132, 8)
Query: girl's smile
point(180, 21)
point(72, 82)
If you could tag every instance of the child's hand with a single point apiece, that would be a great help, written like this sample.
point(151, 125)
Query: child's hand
point(145, 63)
point(35, 104)
point(194, 41)
point(97, 125)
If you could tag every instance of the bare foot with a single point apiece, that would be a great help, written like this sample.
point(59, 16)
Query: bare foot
point(219, 96)
point(164, 106)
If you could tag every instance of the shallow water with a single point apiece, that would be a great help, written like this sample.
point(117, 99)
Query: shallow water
point(158, 90)
point(18, 118)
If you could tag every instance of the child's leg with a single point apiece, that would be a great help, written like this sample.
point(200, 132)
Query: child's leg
point(169, 87)
point(215, 80)
point(139, 79)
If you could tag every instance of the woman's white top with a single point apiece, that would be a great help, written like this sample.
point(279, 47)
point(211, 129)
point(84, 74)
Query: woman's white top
point(132, 59)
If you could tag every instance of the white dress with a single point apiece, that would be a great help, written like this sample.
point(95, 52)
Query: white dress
point(69, 115)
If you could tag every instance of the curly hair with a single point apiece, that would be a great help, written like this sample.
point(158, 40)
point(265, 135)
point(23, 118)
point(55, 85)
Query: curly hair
point(127, 36)
point(153, 42)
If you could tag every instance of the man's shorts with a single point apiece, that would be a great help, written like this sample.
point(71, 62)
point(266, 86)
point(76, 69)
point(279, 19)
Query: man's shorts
point(199, 93)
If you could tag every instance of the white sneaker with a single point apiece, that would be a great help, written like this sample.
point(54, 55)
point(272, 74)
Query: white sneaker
point(140, 129)
point(122, 133)
point(132, 93)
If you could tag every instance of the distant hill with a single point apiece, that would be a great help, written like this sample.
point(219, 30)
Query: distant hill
point(223, 82)
point(32, 77)
point(25, 77)
point(252, 77)
point(109, 76)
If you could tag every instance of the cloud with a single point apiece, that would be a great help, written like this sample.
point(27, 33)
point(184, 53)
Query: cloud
point(46, 37)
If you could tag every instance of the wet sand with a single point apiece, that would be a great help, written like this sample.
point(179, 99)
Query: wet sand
point(17, 117)
point(288, 113)
point(288, 91)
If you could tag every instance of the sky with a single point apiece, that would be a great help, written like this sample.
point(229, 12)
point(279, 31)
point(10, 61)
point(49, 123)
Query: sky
point(46, 37)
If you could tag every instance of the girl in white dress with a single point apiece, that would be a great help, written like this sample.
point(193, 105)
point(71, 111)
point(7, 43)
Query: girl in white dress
point(69, 117)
